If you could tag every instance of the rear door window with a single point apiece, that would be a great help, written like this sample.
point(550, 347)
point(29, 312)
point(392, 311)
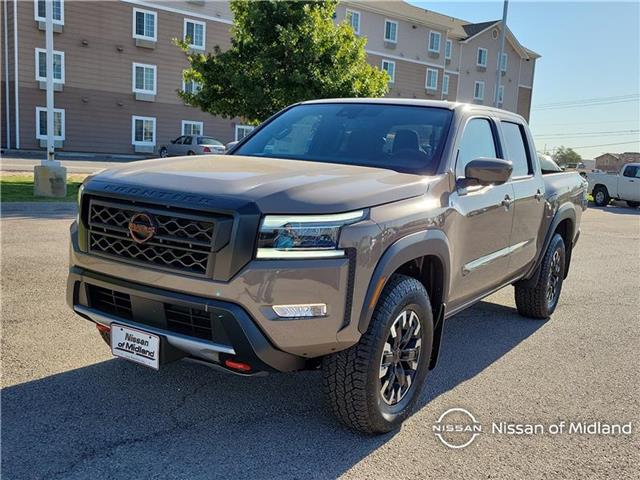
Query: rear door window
point(477, 141)
point(516, 149)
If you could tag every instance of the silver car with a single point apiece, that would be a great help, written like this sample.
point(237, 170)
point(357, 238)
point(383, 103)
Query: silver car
point(191, 145)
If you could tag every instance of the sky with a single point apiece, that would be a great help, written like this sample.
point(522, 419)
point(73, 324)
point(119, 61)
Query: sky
point(590, 64)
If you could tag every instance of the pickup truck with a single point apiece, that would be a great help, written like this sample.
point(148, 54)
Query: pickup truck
point(625, 185)
point(339, 236)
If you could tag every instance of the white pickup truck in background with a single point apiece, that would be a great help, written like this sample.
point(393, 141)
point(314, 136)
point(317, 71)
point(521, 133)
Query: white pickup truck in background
point(625, 185)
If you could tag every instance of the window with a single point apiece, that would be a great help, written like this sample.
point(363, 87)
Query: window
point(41, 65)
point(401, 138)
point(144, 78)
point(41, 123)
point(353, 18)
point(390, 31)
point(448, 50)
point(501, 94)
point(478, 91)
point(191, 128)
point(482, 57)
point(209, 141)
point(242, 131)
point(191, 86)
point(504, 62)
point(432, 79)
point(389, 66)
point(434, 42)
point(143, 130)
point(40, 13)
point(477, 141)
point(144, 24)
point(445, 84)
point(516, 149)
point(194, 33)
point(631, 171)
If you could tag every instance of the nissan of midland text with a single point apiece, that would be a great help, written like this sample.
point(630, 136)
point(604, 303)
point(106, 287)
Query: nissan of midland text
point(339, 235)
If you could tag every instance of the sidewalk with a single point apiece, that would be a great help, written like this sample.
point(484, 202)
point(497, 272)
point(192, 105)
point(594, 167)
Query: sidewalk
point(24, 210)
point(22, 164)
point(61, 155)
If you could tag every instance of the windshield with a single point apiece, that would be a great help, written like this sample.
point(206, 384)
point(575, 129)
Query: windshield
point(547, 165)
point(402, 138)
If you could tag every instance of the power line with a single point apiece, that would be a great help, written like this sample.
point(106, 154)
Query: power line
point(588, 134)
point(605, 145)
point(585, 104)
point(593, 99)
point(636, 120)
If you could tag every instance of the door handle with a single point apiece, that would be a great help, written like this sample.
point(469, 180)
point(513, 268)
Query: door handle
point(506, 202)
point(538, 196)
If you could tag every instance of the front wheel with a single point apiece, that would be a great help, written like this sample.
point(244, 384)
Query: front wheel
point(601, 196)
point(373, 386)
point(633, 204)
point(540, 300)
point(164, 153)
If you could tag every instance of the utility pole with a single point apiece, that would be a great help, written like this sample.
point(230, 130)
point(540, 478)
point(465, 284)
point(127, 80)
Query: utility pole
point(50, 178)
point(502, 34)
point(49, 56)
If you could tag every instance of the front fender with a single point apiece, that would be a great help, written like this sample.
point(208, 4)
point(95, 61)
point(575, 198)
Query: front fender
point(416, 245)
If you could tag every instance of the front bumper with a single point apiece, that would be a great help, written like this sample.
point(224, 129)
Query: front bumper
point(235, 336)
point(255, 288)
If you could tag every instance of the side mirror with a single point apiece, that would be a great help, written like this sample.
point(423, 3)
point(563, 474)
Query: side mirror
point(173, 141)
point(487, 171)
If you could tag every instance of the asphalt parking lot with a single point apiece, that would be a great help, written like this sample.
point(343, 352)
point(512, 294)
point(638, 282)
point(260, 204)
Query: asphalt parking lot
point(71, 411)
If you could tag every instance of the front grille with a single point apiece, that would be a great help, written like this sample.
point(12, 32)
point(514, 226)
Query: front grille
point(182, 241)
point(110, 301)
point(188, 321)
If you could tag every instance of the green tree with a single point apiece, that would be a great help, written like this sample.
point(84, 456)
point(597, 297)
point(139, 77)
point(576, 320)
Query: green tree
point(565, 156)
point(281, 52)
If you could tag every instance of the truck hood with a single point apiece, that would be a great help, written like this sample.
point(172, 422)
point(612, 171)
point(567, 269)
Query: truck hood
point(273, 185)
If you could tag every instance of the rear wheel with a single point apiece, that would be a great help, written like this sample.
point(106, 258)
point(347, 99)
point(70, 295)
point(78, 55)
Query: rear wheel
point(541, 299)
point(373, 386)
point(633, 204)
point(601, 196)
point(191, 152)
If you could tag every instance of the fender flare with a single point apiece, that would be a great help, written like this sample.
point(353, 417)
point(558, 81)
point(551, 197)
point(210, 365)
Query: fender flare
point(565, 212)
point(415, 245)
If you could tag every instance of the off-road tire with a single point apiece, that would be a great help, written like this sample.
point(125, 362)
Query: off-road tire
point(351, 378)
point(533, 301)
point(633, 204)
point(601, 200)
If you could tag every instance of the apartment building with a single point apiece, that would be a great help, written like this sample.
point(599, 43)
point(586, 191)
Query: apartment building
point(117, 70)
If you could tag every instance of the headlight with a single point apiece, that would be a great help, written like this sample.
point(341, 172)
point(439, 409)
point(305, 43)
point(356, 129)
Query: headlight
point(80, 190)
point(303, 236)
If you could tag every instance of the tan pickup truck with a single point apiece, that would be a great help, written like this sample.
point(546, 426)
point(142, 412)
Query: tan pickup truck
point(339, 235)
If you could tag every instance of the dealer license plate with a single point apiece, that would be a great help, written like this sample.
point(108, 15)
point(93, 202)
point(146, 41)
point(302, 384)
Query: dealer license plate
point(135, 345)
